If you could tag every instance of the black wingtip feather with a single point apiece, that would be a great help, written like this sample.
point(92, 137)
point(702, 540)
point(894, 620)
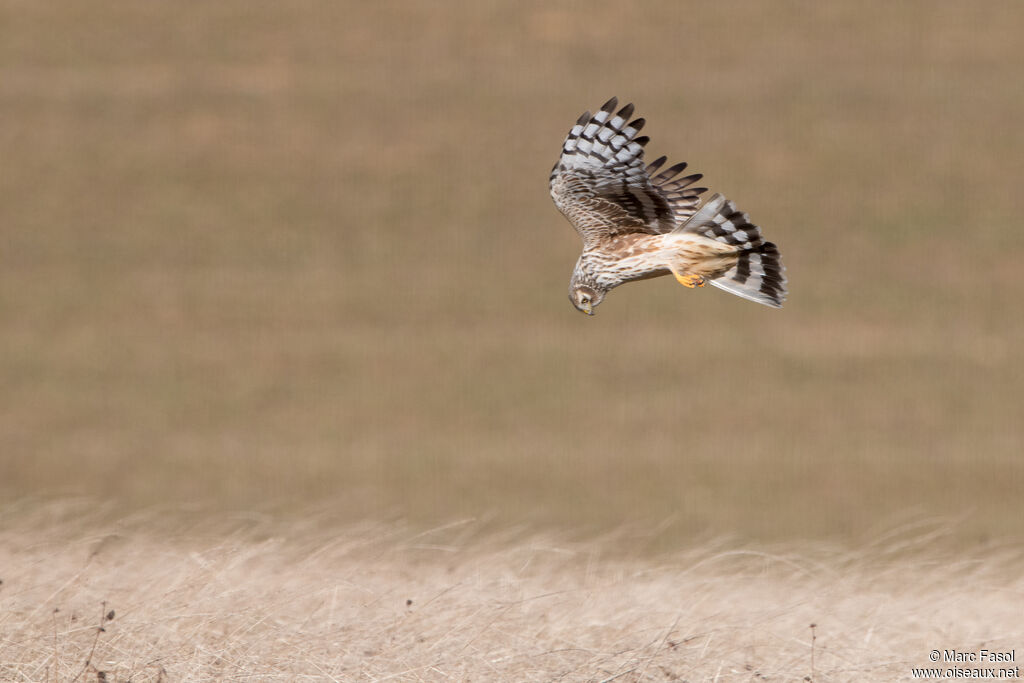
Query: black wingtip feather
point(610, 105)
point(656, 164)
point(626, 111)
point(637, 124)
point(642, 140)
point(669, 173)
point(680, 183)
point(584, 118)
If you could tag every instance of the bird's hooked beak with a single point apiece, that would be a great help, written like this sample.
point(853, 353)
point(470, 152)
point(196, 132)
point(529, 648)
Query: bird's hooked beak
point(588, 308)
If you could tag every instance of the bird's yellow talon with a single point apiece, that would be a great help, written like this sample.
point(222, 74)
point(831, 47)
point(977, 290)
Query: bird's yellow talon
point(690, 281)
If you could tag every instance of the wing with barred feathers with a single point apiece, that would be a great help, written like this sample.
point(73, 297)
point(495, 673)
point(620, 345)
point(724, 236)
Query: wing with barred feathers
point(603, 187)
point(757, 274)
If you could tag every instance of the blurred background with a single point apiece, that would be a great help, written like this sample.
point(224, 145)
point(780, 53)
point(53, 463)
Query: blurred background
point(292, 256)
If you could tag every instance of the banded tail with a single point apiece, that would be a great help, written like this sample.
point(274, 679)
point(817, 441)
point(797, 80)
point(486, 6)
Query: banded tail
point(758, 274)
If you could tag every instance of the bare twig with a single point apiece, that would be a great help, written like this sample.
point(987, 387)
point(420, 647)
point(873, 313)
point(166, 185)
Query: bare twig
point(56, 656)
point(814, 637)
point(104, 616)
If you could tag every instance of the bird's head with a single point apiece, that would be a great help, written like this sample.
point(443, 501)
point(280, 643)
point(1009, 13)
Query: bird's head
point(584, 291)
point(585, 298)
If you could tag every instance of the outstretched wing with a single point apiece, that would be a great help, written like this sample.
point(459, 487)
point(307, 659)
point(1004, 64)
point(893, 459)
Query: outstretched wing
point(603, 187)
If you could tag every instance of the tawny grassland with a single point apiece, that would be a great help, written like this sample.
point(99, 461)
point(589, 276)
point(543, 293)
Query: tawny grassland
point(241, 598)
point(285, 343)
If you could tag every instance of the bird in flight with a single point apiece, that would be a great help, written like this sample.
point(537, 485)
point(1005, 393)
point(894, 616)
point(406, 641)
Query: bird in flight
point(639, 222)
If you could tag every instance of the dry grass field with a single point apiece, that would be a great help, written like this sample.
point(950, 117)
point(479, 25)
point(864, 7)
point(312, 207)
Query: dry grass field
point(297, 261)
point(236, 599)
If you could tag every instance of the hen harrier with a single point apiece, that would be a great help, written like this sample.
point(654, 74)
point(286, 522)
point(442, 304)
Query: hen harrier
point(637, 223)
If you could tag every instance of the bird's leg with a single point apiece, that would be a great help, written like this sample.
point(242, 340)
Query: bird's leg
point(690, 281)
